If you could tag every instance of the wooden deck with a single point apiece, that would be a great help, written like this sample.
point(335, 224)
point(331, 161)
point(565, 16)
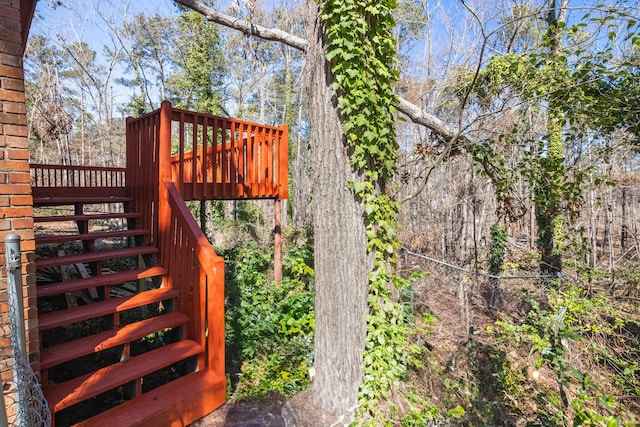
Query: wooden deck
point(172, 156)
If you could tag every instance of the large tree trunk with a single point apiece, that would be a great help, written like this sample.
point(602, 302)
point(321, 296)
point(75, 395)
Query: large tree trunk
point(341, 261)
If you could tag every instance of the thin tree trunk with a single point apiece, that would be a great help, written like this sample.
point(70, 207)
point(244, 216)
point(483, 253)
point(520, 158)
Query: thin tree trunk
point(624, 227)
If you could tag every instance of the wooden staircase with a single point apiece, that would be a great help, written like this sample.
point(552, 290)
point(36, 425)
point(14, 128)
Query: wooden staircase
point(131, 314)
point(114, 340)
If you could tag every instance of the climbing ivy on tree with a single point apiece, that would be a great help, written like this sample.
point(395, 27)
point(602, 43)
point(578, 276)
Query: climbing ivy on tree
point(361, 51)
point(498, 248)
point(577, 91)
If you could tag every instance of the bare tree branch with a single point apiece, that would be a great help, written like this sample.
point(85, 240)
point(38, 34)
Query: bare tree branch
point(418, 116)
point(415, 113)
point(244, 26)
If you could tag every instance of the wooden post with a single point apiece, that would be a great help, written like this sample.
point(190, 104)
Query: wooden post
point(203, 216)
point(283, 163)
point(164, 174)
point(277, 231)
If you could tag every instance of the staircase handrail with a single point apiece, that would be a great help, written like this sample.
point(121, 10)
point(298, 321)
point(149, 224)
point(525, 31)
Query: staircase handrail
point(192, 265)
point(198, 272)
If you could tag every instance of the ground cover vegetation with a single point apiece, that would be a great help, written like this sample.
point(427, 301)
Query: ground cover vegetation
point(530, 175)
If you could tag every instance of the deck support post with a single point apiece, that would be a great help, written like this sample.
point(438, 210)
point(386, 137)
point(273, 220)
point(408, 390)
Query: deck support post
point(203, 216)
point(277, 234)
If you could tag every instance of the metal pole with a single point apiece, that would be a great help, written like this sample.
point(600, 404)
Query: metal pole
point(4, 422)
point(16, 309)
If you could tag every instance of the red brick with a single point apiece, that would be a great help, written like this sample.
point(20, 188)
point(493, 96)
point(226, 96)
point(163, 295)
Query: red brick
point(14, 165)
point(7, 35)
point(30, 267)
point(9, 26)
point(31, 313)
point(32, 341)
point(14, 107)
point(16, 142)
point(32, 299)
point(22, 223)
point(17, 154)
point(29, 244)
point(15, 130)
point(13, 212)
point(11, 95)
point(31, 323)
point(32, 336)
point(19, 177)
point(13, 119)
point(12, 60)
point(5, 224)
point(4, 178)
point(13, 72)
point(21, 201)
point(4, 201)
point(12, 84)
point(23, 258)
point(15, 188)
point(10, 13)
point(11, 48)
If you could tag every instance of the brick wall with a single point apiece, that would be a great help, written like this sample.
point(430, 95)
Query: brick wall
point(16, 203)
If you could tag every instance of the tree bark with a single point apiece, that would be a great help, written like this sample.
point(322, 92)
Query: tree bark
point(341, 261)
point(342, 264)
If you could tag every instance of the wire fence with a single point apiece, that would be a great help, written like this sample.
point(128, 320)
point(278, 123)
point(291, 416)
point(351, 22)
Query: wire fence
point(23, 403)
point(559, 275)
point(473, 290)
point(24, 406)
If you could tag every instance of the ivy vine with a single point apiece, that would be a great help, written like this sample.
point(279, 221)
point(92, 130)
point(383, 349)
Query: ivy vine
point(361, 51)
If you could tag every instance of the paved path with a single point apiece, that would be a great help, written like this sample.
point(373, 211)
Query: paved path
point(245, 414)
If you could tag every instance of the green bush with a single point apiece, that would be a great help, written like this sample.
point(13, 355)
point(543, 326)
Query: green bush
point(269, 326)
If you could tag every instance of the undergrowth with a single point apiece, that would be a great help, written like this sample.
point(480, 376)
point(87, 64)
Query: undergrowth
point(269, 331)
point(584, 356)
point(561, 355)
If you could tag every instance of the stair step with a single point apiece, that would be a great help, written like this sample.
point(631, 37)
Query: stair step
point(63, 218)
point(96, 281)
point(94, 256)
point(178, 403)
point(102, 308)
point(58, 354)
point(61, 238)
point(69, 393)
point(59, 201)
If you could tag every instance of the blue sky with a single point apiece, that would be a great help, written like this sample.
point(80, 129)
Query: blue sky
point(89, 21)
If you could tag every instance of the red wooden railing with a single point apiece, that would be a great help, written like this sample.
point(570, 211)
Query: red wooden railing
point(143, 177)
point(241, 160)
point(80, 181)
point(196, 270)
point(213, 158)
point(192, 265)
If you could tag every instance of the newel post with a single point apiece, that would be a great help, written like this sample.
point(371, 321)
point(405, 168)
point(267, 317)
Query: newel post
point(131, 158)
point(164, 174)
